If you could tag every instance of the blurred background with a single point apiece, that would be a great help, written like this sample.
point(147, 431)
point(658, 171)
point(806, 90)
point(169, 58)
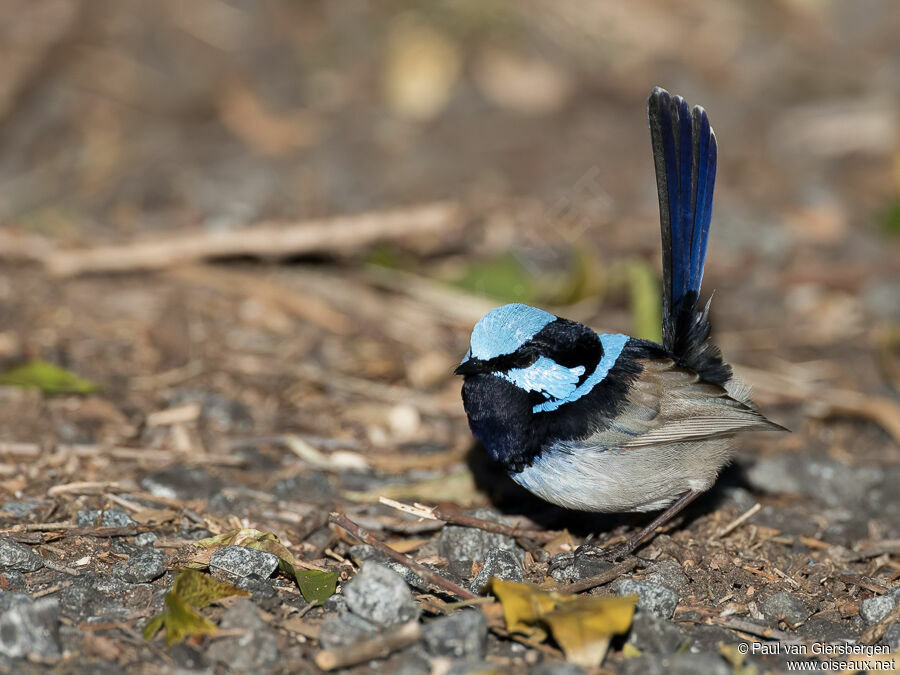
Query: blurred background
point(511, 139)
point(381, 174)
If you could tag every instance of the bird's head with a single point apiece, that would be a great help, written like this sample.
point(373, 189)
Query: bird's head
point(533, 349)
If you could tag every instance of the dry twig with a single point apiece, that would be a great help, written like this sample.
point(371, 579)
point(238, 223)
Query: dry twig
point(588, 583)
point(376, 648)
point(266, 240)
point(426, 574)
point(455, 518)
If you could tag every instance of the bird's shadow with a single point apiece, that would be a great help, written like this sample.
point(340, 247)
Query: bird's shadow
point(510, 498)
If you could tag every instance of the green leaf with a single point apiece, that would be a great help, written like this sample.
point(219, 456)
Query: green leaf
point(890, 217)
point(191, 591)
point(503, 278)
point(47, 377)
point(646, 309)
point(315, 585)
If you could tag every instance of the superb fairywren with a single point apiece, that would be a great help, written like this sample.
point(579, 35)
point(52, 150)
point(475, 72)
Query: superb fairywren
point(606, 422)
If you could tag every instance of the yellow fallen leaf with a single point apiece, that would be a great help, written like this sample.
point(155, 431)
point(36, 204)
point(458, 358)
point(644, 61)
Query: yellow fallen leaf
point(582, 625)
point(191, 591)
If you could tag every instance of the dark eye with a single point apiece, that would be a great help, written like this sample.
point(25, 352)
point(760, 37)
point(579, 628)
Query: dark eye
point(524, 359)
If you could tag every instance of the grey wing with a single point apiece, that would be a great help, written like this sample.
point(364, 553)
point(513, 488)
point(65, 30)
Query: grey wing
point(668, 404)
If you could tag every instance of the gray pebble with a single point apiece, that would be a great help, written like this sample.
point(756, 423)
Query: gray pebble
point(30, 627)
point(363, 553)
point(11, 580)
point(653, 635)
point(15, 556)
point(255, 650)
point(143, 567)
point(145, 539)
point(110, 518)
point(500, 563)
point(467, 543)
point(22, 509)
point(667, 573)
point(381, 596)
point(785, 606)
point(891, 636)
point(652, 597)
point(345, 629)
point(242, 561)
point(676, 664)
point(461, 636)
point(873, 610)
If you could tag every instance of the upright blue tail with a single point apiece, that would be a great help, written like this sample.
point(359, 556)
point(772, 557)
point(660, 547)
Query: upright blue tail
point(684, 151)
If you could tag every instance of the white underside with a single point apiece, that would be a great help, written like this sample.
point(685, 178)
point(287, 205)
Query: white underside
point(613, 480)
point(588, 476)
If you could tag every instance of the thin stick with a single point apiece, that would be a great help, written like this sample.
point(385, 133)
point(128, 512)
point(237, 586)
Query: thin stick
point(588, 583)
point(80, 486)
point(740, 520)
point(406, 561)
point(455, 518)
point(57, 567)
point(751, 628)
point(267, 240)
point(376, 648)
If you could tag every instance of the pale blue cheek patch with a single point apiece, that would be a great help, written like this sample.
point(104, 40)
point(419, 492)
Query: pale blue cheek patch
point(613, 344)
point(546, 376)
point(504, 329)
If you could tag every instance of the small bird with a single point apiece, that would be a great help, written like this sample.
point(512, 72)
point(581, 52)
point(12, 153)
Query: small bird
point(607, 422)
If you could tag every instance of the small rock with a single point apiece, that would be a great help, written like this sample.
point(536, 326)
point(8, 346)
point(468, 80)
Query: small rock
point(30, 627)
point(23, 509)
point(345, 629)
point(501, 563)
point(10, 580)
point(787, 607)
point(242, 561)
point(253, 651)
point(15, 556)
point(676, 664)
point(667, 573)
point(381, 596)
point(468, 543)
point(110, 518)
point(142, 568)
point(261, 589)
point(891, 637)
point(472, 668)
point(653, 635)
point(412, 661)
point(461, 636)
point(873, 610)
point(364, 553)
point(652, 597)
point(145, 539)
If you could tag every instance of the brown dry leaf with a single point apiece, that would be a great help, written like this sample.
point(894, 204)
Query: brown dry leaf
point(154, 516)
point(563, 543)
point(582, 625)
point(406, 545)
point(266, 132)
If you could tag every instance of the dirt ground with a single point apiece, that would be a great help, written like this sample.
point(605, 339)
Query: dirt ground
point(483, 152)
